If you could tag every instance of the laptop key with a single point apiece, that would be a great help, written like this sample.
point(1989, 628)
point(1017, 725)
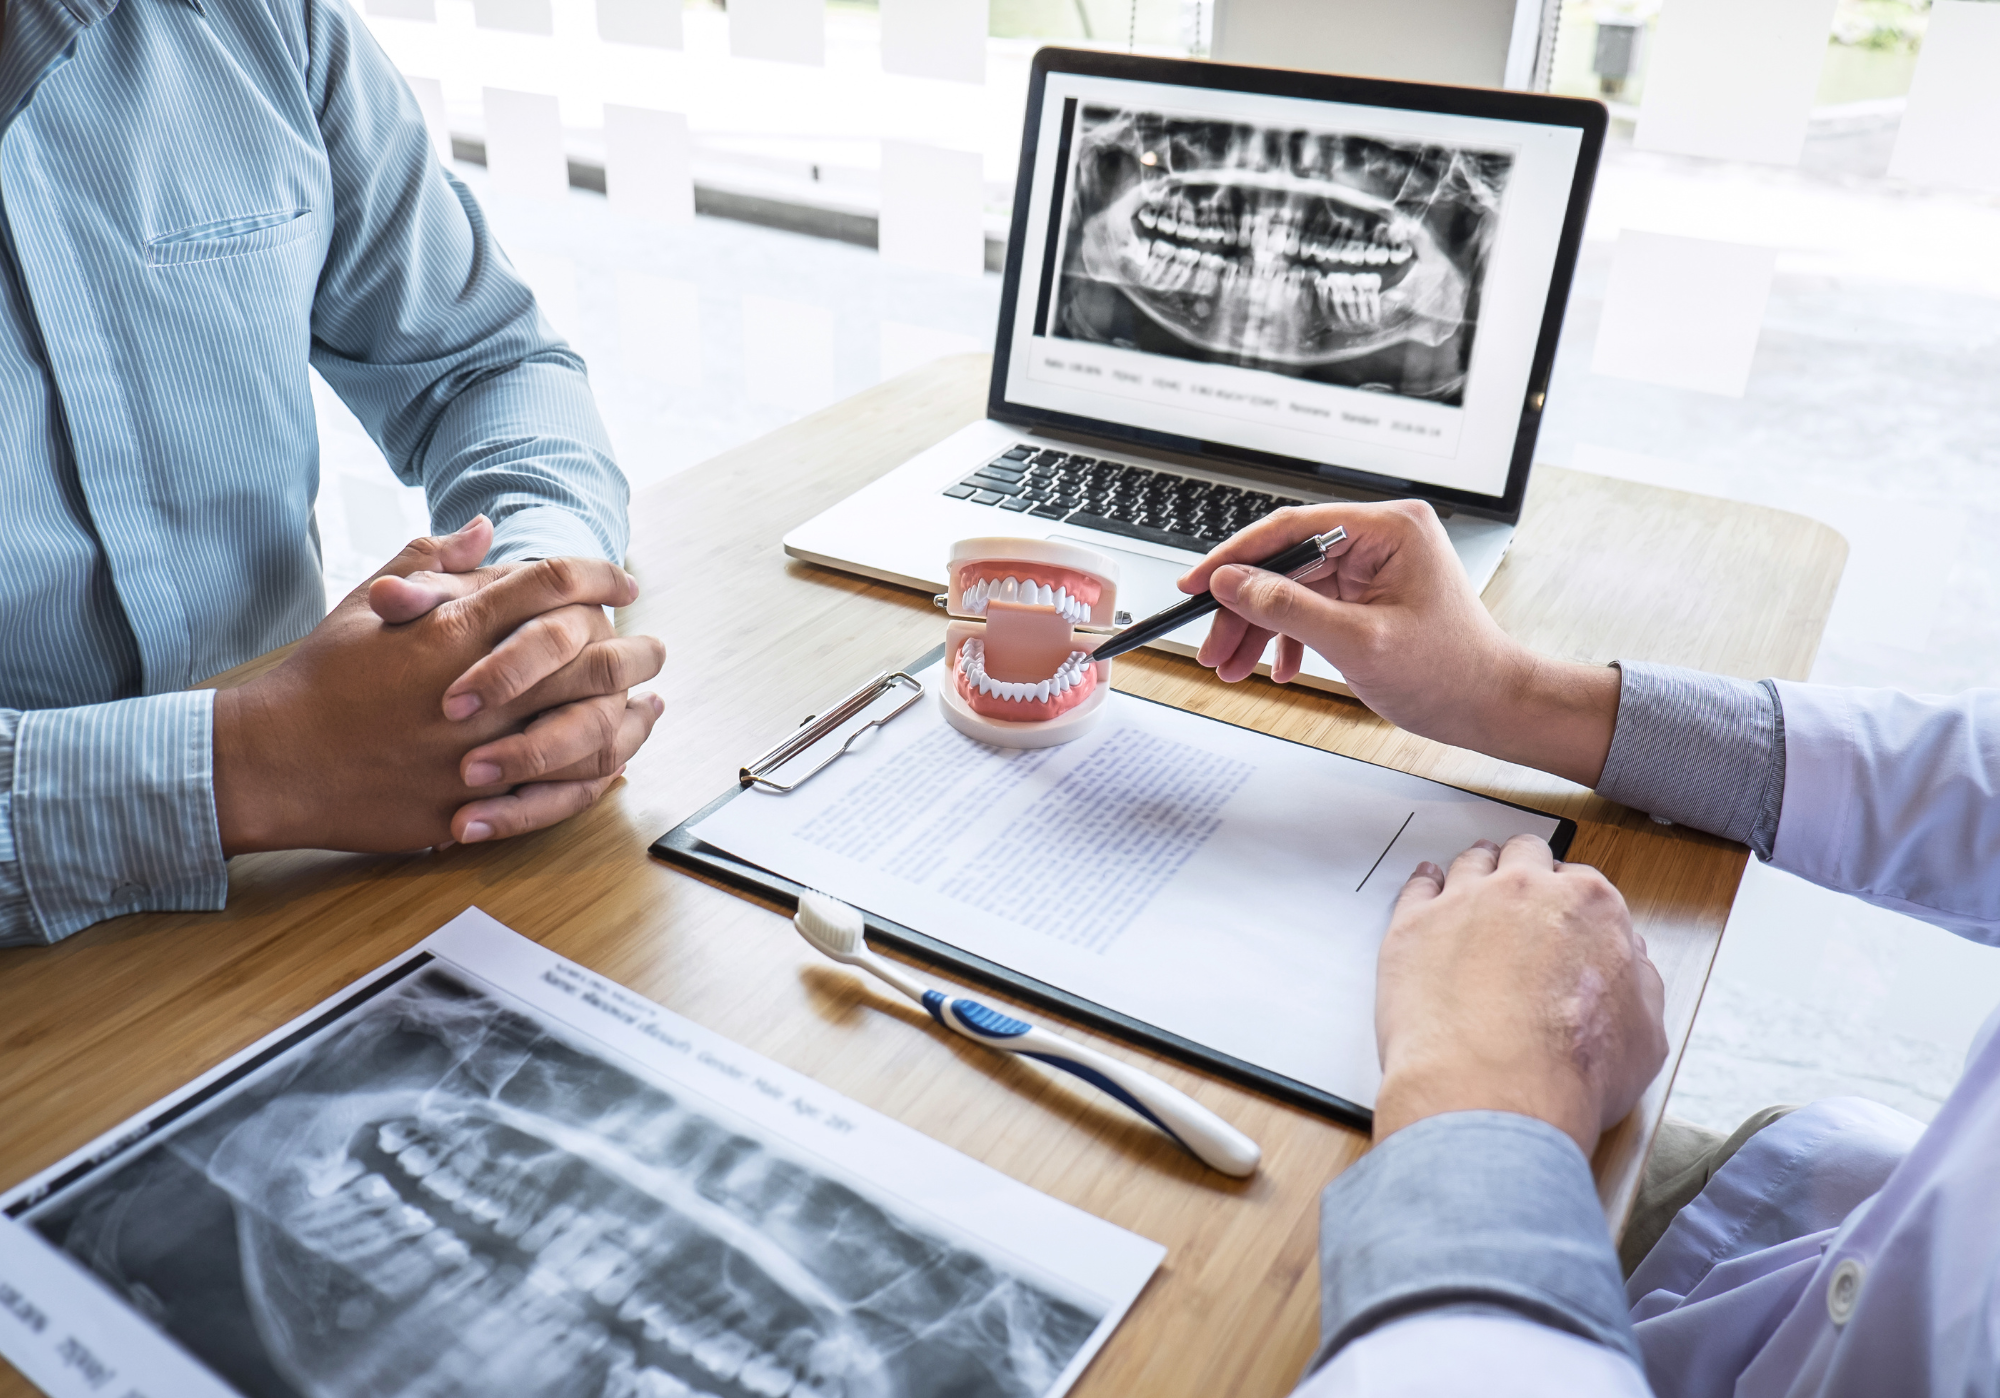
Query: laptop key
point(1003, 487)
point(1015, 504)
point(987, 497)
point(959, 492)
point(1049, 511)
point(1019, 454)
point(1001, 472)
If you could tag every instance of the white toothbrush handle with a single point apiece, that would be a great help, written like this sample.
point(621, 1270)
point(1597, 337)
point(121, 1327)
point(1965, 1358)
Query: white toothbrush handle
point(1211, 1139)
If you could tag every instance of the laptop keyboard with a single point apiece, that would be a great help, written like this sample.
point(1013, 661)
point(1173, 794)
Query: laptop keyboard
point(1115, 497)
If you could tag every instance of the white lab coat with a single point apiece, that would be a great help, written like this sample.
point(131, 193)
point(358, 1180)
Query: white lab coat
point(1845, 1250)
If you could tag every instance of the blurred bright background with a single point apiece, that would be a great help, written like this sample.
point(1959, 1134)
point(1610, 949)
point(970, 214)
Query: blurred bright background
point(738, 219)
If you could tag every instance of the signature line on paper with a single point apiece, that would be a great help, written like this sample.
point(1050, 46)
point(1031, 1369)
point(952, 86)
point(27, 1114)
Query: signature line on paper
point(1385, 851)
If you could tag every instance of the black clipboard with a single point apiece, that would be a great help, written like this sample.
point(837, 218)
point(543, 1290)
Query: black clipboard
point(679, 846)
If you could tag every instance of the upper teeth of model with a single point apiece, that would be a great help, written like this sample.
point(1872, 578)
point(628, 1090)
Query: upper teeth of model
point(973, 597)
point(972, 663)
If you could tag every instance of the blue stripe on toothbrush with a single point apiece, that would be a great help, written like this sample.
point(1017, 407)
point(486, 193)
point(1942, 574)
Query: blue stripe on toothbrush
point(1098, 1080)
point(934, 1002)
point(990, 1023)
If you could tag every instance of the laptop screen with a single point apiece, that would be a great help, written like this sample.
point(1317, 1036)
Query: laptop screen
point(1356, 290)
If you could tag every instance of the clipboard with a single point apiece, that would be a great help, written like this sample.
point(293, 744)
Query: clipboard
point(682, 847)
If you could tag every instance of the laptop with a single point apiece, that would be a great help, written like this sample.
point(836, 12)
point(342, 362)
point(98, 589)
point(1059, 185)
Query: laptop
point(1230, 289)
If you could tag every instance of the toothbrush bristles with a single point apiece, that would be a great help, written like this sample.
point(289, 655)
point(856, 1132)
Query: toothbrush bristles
point(829, 924)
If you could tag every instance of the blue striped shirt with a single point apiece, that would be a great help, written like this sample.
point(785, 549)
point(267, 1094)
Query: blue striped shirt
point(199, 198)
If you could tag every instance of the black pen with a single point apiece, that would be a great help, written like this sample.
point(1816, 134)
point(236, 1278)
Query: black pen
point(1295, 562)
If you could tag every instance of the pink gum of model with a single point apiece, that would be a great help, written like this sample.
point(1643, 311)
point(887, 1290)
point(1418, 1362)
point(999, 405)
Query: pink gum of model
point(1019, 669)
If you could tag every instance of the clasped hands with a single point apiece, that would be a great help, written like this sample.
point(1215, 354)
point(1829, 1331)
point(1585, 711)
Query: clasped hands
point(1512, 981)
point(442, 702)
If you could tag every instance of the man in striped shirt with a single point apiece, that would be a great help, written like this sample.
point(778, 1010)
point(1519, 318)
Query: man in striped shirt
point(200, 198)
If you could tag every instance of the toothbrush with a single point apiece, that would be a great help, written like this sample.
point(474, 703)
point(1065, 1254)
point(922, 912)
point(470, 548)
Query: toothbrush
point(836, 929)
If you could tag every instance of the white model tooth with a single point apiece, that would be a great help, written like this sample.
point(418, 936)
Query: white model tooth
point(1048, 595)
point(1009, 591)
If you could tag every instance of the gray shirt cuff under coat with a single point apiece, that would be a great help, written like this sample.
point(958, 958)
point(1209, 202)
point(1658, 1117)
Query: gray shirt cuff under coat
point(1701, 750)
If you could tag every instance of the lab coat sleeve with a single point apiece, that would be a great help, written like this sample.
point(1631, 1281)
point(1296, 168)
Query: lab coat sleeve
point(1491, 1210)
point(1895, 798)
point(1474, 1349)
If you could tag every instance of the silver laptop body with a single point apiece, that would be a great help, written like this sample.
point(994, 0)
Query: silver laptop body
point(1229, 289)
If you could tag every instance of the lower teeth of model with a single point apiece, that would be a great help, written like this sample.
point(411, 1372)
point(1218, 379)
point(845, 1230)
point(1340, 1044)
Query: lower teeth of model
point(972, 664)
point(973, 597)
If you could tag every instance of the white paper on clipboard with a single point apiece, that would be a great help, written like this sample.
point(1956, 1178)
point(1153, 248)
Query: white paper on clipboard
point(1211, 881)
point(485, 1170)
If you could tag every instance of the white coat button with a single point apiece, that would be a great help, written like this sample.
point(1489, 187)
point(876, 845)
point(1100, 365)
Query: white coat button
point(1843, 1290)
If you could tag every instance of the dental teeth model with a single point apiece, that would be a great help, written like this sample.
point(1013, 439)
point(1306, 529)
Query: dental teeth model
point(1020, 672)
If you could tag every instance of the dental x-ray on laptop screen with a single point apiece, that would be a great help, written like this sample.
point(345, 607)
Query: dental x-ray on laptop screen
point(1229, 289)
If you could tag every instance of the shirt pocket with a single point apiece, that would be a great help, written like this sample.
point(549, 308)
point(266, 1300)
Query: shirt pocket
point(229, 237)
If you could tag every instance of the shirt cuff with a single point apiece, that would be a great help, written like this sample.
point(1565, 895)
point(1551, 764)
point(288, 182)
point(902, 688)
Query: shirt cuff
point(1697, 749)
point(112, 811)
point(542, 531)
point(1480, 1208)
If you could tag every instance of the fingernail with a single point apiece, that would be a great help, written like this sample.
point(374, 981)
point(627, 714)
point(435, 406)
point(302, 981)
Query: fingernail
point(475, 831)
point(459, 706)
point(659, 705)
point(631, 588)
point(1222, 583)
point(482, 774)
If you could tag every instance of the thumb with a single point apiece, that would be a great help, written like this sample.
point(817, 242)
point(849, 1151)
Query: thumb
point(443, 553)
point(421, 576)
point(1276, 603)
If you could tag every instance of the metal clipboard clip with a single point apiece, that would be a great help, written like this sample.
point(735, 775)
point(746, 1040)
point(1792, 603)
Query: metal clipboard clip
point(816, 727)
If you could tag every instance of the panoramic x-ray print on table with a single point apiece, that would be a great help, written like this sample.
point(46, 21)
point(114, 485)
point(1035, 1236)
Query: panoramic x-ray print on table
point(1341, 258)
point(452, 1192)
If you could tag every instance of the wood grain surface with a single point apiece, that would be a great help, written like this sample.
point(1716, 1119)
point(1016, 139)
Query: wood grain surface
point(97, 1027)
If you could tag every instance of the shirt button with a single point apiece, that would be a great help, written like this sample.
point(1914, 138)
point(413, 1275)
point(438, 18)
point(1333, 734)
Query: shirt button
point(1843, 1291)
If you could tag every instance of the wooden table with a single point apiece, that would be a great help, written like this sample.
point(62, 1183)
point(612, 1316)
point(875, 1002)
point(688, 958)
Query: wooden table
point(94, 1029)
